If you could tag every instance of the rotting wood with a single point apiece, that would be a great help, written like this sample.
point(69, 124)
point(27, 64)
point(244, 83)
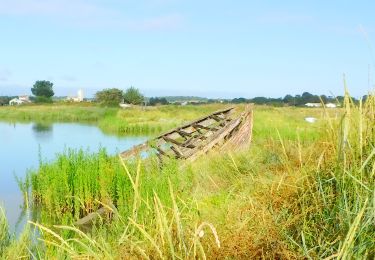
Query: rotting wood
point(217, 130)
point(103, 213)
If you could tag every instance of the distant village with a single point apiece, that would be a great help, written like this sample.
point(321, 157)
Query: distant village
point(27, 99)
point(304, 100)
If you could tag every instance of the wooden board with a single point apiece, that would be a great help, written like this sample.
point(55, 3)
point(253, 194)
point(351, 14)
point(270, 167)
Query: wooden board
point(199, 136)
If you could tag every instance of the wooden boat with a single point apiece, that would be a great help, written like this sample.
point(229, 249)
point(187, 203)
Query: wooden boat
point(219, 129)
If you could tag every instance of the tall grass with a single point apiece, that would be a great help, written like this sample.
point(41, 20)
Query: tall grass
point(155, 224)
point(300, 191)
point(335, 205)
point(76, 181)
point(4, 231)
point(11, 248)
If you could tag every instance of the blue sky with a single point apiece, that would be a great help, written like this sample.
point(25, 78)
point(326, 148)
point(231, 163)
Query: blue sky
point(187, 47)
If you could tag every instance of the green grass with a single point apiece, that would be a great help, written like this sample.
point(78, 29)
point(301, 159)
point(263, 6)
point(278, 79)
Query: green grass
point(336, 202)
point(75, 184)
point(4, 231)
point(134, 121)
point(300, 191)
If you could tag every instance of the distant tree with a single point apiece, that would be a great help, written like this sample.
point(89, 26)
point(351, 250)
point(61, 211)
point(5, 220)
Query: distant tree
point(277, 102)
point(43, 90)
point(110, 97)
point(42, 99)
point(289, 99)
point(310, 98)
point(298, 100)
point(239, 100)
point(157, 101)
point(4, 100)
point(340, 99)
point(259, 100)
point(307, 97)
point(133, 96)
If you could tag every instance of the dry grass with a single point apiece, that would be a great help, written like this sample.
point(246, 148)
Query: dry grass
point(300, 191)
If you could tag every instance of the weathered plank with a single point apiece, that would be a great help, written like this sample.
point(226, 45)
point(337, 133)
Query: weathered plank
point(135, 150)
point(243, 135)
point(199, 136)
point(102, 213)
point(226, 112)
point(214, 139)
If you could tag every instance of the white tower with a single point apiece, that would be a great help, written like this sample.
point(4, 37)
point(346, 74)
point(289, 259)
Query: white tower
point(80, 95)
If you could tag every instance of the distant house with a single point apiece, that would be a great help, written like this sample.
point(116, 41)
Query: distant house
point(24, 98)
point(15, 101)
point(20, 100)
point(124, 105)
point(328, 105)
point(331, 105)
point(313, 104)
point(78, 98)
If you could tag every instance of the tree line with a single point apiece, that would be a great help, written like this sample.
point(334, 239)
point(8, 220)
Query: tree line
point(115, 96)
point(43, 93)
point(297, 100)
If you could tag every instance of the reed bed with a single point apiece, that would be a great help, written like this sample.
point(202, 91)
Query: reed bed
point(301, 191)
point(151, 221)
point(4, 231)
point(78, 182)
point(335, 205)
point(11, 248)
point(164, 234)
point(74, 183)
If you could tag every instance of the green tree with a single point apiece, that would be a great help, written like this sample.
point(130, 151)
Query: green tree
point(42, 89)
point(289, 99)
point(157, 101)
point(4, 100)
point(239, 100)
point(133, 96)
point(111, 96)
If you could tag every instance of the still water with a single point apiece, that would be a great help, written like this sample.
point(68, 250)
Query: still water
point(21, 145)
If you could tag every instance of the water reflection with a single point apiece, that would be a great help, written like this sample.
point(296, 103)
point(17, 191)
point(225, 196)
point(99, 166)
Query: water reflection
point(24, 144)
point(43, 131)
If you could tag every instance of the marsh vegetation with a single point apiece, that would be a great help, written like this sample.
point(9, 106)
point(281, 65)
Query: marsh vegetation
point(299, 191)
point(131, 121)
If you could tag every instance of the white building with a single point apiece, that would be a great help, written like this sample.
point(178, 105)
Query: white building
point(313, 104)
point(20, 100)
point(78, 98)
point(124, 105)
point(15, 101)
point(80, 95)
point(24, 98)
point(328, 105)
point(331, 105)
